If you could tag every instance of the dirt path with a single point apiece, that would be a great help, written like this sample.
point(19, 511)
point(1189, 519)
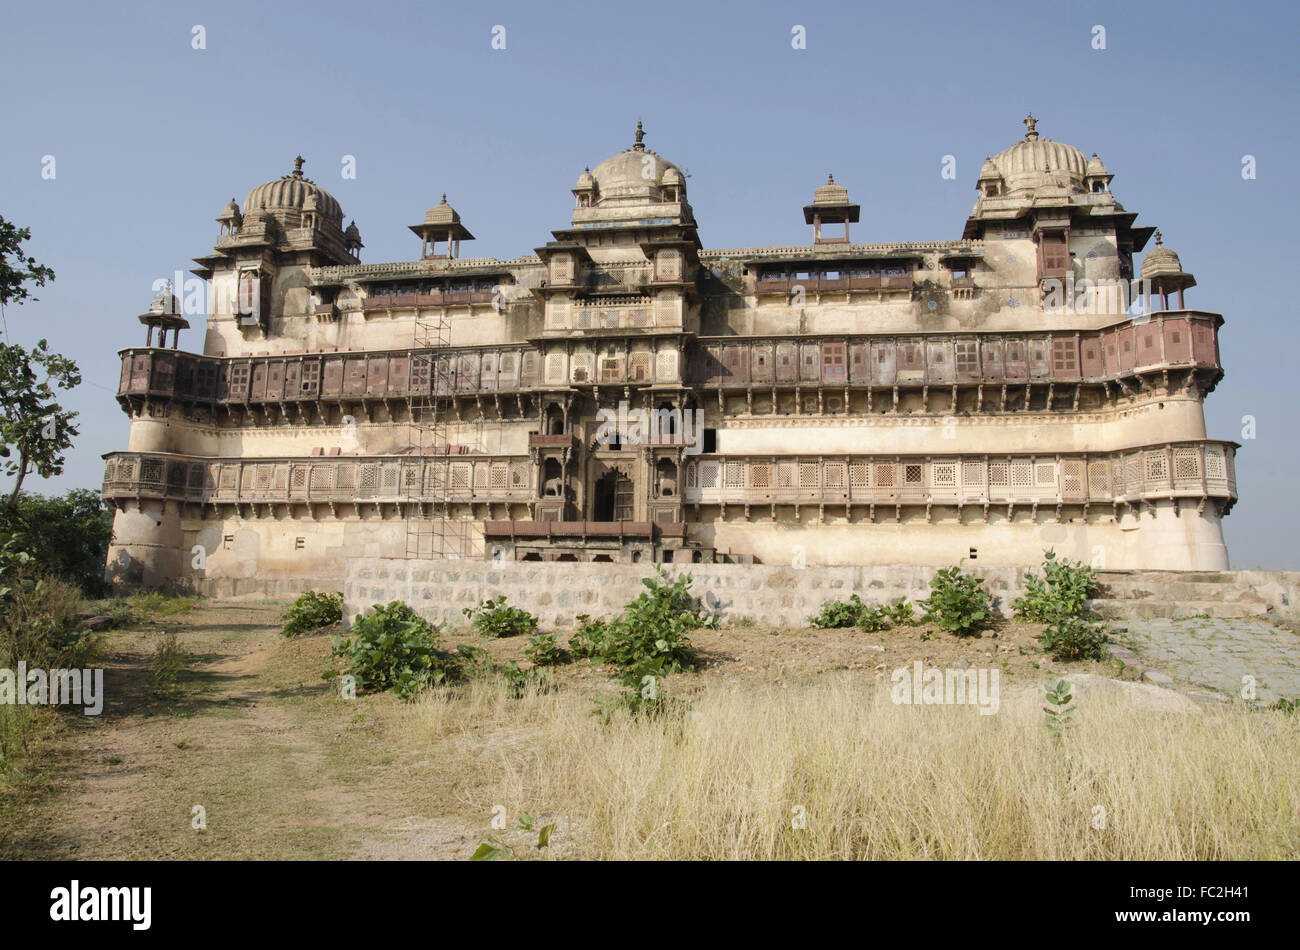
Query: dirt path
point(279, 765)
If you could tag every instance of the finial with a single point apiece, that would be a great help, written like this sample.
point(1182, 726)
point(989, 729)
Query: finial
point(640, 136)
point(297, 167)
point(444, 197)
point(1159, 238)
point(1030, 122)
point(830, 179)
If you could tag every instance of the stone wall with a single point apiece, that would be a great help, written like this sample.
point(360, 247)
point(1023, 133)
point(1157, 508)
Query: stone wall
point(557, 592)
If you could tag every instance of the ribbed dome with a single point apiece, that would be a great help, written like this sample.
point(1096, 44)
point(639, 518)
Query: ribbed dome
point(1034, 162)
point(290, 194)
point(1160, 261)
point(1096, 166)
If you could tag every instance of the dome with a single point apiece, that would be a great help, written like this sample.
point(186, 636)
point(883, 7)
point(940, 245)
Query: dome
point(1034, 162)
point(1160, 261)
point(988, 170)
point(585, 181)
point(633, 176)
point(442, 213)
point(290, 193)
point(1096, 166)
point(831, 193)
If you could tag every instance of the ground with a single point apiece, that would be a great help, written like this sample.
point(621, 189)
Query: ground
point(283, 767)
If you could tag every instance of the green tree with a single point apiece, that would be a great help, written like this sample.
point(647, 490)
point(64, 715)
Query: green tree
point(35, 430)
point(67, 535)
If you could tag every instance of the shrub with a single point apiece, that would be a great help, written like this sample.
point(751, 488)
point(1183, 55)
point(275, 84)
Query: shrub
point(544, 650)
point(495, 618)
point(958, 602)
point(393, 648)
point(651, 637)
point(151, 605)
point(1069, 637)
point(1063, 591)
point(165, 668)
point(589, 641)
point(837, 614)
point(40, 623)
point(67, 535)
point(901, 612)
point(311, 611)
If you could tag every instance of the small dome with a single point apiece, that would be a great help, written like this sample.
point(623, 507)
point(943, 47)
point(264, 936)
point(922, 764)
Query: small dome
point(831, 193)
point(1160, 261)
point(290, 194)
point(672, 176)
point(1096, 166)
point(585, 181)
point(352, 231)
point(989, 170)
point(442, 213)
point(231, 210)
point(165, 302)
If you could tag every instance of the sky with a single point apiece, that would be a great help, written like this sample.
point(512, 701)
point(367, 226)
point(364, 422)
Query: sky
point(153, 125)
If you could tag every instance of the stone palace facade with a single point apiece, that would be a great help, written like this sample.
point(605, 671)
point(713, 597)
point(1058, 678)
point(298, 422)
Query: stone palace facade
point(625, 394)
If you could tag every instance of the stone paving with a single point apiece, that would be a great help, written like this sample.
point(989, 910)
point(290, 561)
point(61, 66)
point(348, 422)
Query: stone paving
point(1216, 654)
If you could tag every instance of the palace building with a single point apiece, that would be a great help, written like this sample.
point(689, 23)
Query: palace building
point(623, 393)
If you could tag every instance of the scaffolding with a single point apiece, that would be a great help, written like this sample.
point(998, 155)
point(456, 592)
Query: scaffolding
point(435, 527)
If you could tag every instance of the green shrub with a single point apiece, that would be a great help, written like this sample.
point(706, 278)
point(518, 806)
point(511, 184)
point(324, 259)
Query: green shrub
point(393, 648)
point(1069, 637)
point(165, 668)
point(495, 618)
point(40, 623)
point(311, 611)
point(873, 619)
point(901, 612)
point(588, 642)
point(958, 602)
point(156, 604)
point(1063, 591)
point(66, 535)
point(651, 639)
point(545, 650)
point(837, 614)
point(517, 681)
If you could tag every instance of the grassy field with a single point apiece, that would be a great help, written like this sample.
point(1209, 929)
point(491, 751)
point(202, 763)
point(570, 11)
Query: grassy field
point(788, 746)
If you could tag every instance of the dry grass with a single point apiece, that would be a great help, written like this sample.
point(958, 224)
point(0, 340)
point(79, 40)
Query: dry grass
point(883, 781)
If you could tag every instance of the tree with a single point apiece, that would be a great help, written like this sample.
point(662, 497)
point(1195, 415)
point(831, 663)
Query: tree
point(35, 430)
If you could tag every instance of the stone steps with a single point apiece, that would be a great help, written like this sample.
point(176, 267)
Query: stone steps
point(1176, 595)
point(1128, 609)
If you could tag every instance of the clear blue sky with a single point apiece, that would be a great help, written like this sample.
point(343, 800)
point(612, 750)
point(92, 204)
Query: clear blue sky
point(151, 137)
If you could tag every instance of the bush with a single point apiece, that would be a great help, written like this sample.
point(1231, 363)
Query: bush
point(1073, 638)
point(393, 648)
point(311, 611)
point(544, 650)
point(495, 618)
point(901, 612)
point(589, 642)
point(40, 624)
point(837, 614)
point(651, 637)
point(1063, 591)
point(165, 668)
point(958, 602)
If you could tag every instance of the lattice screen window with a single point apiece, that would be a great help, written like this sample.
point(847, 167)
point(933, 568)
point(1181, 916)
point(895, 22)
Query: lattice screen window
point(760, 475)
point(1072, 481)
point(582, 367)
point(561, 269)
point(859, 475)
point(263, 477)
point(808, 477)
point(1022, 474)
point(912, 473)
point(1187, 463)
point(434, 476)
point(499, 470)
point(582, 319)
point(369, 480)
point(557, 314)
point(669, 264)
point(298, 478)
point(834, 476)
point(518, 475)
point(345, 477)
point(480, 476)
point(555, 368)
point(639, 364)
point(967, 358)
point(667, 312)
point(785, 475)
point(1133, 473)
point(666, 364)
point(460, 477)
point(126, 470)
point(110, 469)
point(735, 475)
point(322, 477)
point(229, 474)
point(999, 472)
point(972, 474)
point(151, 470)
point(1214, 467)
point(1045, 474)
point(1157, 468)
point(886, 473)
point(692, 475)
point(709, 474)
point(1099, 479)
point(411, 480)
point(943, 474)
point(389, 479)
